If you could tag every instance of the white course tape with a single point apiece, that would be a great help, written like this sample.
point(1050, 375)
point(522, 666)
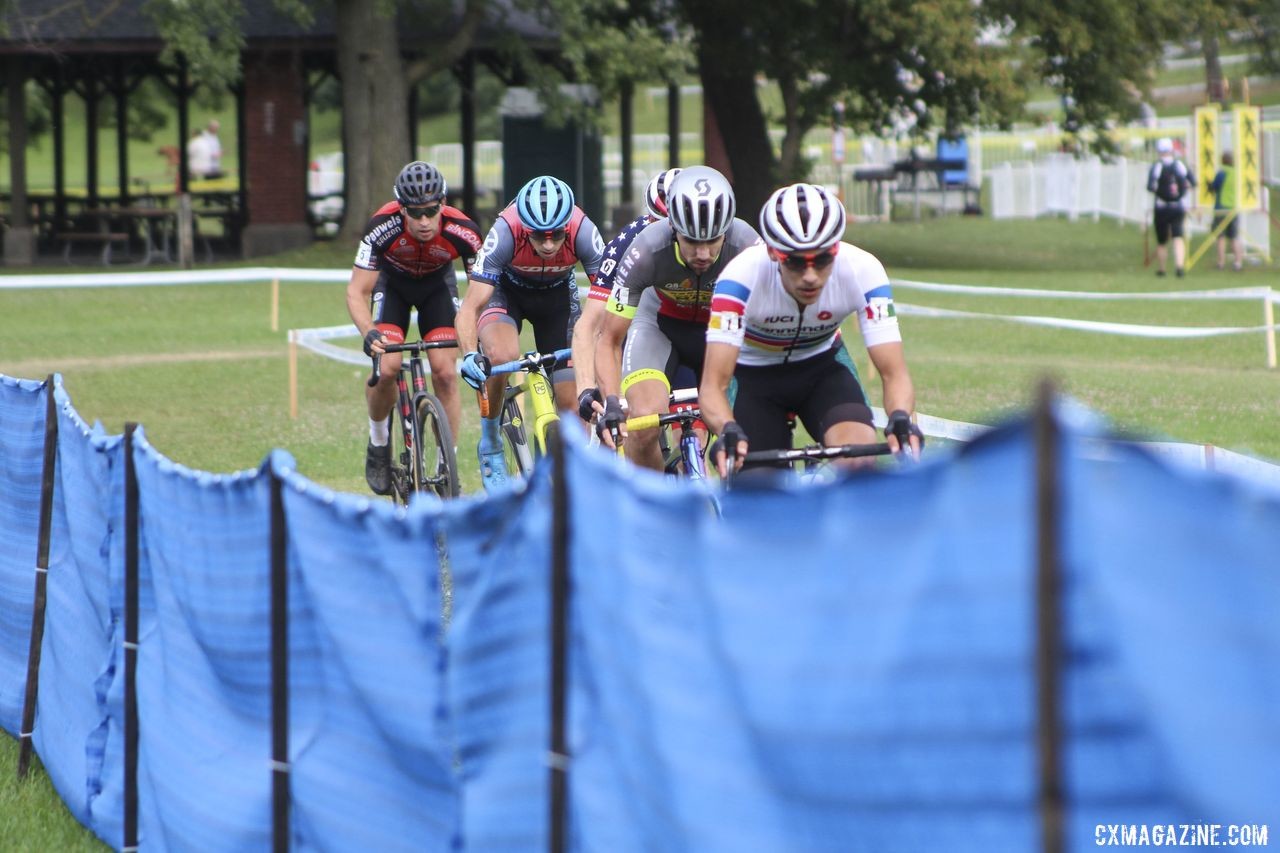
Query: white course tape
point(171, 277)
point(337, 353)
point(1228, 293)
point(1190, 455)
point(1087, 325)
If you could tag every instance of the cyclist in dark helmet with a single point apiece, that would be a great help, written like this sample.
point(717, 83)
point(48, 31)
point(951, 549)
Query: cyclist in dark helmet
point(404, 261)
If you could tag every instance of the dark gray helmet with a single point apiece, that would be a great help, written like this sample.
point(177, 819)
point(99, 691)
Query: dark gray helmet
point(419, 183)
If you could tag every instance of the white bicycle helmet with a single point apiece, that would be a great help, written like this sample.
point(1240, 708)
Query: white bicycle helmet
point(700, 203)
point(655, 195)
point(802, 218)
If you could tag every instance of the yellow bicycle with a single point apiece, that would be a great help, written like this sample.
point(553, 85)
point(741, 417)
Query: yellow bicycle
point(535, 415)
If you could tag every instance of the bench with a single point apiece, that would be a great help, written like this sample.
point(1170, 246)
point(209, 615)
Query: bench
point(105, 238)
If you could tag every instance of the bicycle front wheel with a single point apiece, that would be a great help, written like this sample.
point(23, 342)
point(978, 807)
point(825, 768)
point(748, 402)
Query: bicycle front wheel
point(435, 466)
point(515, 441)
point(550, 435)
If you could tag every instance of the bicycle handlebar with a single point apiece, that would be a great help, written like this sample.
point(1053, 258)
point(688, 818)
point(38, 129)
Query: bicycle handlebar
point(532, 361)
point(691, 413)
point(416, 348)
point(844, 451)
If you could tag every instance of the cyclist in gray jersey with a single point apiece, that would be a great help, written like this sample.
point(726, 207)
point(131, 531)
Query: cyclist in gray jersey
point(657, 313)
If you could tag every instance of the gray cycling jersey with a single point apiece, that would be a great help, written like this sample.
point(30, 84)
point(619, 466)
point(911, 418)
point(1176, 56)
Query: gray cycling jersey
point(653, 261)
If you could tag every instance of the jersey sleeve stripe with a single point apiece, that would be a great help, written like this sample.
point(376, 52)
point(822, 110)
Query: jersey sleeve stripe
point(883, 291)
point(732, 290)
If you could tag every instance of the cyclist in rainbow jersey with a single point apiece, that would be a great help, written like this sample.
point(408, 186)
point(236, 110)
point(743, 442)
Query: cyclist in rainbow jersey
point(775, 323)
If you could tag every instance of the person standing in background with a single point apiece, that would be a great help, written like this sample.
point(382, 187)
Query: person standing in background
point(199, 161)
point(1224, 203)
point(1169, 181)
point(214, 147)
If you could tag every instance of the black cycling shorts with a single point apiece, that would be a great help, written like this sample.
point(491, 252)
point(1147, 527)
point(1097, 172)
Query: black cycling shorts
point(822, 391)
point(1168, 223)
point(552, 311)
point(396, 294)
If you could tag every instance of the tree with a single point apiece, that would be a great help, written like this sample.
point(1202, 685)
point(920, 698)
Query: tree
point(375, 76)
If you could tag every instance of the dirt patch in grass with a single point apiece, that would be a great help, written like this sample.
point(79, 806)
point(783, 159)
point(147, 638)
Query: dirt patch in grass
point(40, 367)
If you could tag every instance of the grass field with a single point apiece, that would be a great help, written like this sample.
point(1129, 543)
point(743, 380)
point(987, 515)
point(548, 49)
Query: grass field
point(200, 368)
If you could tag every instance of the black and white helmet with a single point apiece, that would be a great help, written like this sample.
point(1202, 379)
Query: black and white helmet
point(419, 183)
point(700, 203)
point(802, 218)
point(655, 195)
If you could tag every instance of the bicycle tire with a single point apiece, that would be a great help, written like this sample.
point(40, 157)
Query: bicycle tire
point(549, 437)
point(435, 464)
point(401, 471)
point(515, 441)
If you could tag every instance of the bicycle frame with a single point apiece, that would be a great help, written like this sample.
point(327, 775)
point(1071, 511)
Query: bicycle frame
point(540, 413)
point(690, 444)
point(408, 476)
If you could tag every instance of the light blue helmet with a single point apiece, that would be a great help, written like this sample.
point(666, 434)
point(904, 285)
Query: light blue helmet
point(545, 203)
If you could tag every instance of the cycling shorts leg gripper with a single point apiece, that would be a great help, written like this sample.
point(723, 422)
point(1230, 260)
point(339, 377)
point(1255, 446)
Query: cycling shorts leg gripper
point(642, 375)
point(495, 315)
point(393, 333)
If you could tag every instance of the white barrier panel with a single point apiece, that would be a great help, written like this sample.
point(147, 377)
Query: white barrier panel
point(985, 290)
point(143, 279)
point(1131, 329)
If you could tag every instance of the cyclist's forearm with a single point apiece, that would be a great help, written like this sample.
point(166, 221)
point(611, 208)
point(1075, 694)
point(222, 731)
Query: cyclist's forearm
point(465, 322)
point(713, 391)
point(608, 357)
point(891, 364)
point(584, 345)
point(359, 289)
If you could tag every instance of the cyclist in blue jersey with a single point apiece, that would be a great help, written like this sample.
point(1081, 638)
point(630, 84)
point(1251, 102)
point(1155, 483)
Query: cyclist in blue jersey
point(525, 271)
point(590, 402)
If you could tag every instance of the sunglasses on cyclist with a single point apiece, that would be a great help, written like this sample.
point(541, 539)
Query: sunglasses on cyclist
point(800, 263)
point(553, 234)
point(430, 212)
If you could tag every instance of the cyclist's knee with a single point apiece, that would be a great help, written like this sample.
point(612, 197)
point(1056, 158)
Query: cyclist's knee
point(444, 383)
point(643, 439)
point(647, 398)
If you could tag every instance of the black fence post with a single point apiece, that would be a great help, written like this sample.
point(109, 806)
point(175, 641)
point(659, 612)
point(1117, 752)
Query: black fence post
point(130, 643)
point(47, 475)
point(558, 754)
point(279, 668)
point(1048, 609)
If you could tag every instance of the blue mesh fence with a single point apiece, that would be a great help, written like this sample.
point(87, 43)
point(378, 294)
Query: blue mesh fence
point(848, 666)
point(370, 740)
point(22, 420)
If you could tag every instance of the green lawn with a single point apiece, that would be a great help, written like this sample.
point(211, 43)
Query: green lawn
point(200, 369)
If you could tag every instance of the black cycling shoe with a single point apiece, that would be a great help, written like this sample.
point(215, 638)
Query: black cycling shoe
point(377, 468)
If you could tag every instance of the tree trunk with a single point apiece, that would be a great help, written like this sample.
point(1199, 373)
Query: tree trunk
point(729, 92)
point(790, 165)
point(1214, 83)
point(375, 124)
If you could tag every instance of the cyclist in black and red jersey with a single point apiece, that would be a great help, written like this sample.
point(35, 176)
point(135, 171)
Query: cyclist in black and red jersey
point(406, 260)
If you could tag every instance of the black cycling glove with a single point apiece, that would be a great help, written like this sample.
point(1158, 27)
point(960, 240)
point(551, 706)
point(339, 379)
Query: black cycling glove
point(586, 409)
point(727, 443)
point(369, 337)
point(899, 424)
point(612, 418)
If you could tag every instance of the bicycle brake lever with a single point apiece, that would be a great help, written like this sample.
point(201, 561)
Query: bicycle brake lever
point(377, 371)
